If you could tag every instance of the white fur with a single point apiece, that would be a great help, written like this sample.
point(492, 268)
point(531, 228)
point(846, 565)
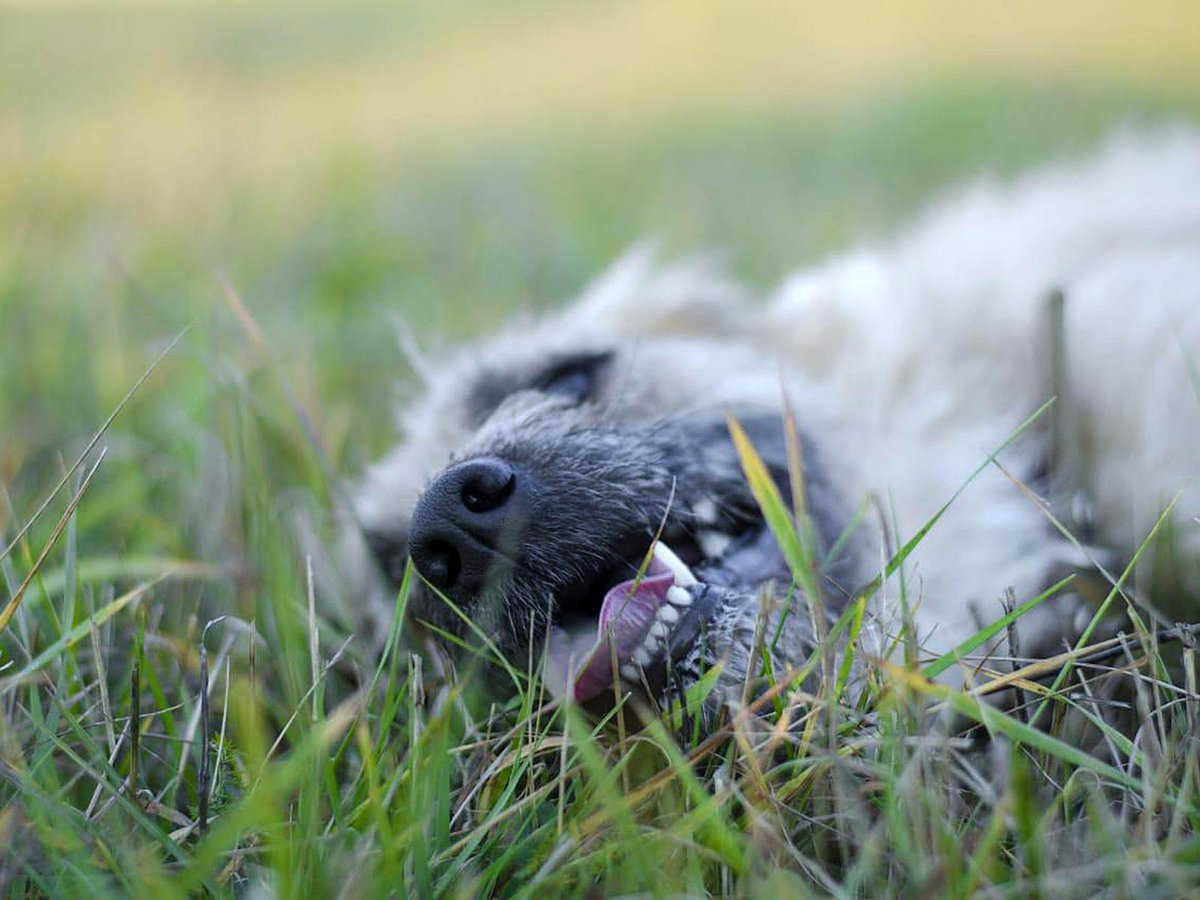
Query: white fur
point(914, 359)
point(935, 348)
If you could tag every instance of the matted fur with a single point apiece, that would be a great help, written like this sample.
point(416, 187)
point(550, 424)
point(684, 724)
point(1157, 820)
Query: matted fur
point(907, 363)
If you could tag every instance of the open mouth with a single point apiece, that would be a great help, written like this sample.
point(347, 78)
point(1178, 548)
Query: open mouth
point(642, 624)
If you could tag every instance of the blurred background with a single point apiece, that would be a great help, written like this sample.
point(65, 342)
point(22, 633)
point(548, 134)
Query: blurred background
point(338, 165)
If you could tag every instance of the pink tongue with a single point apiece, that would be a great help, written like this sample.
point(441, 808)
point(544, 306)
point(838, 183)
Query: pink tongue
point(625, 619)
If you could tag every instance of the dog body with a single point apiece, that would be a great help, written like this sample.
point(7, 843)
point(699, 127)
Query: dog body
point(539, 466)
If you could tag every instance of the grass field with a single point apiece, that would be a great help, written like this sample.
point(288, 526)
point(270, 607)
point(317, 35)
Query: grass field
point(335, 167)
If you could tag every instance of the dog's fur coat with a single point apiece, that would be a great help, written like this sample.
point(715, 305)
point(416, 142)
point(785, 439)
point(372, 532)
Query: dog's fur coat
point(907, 363)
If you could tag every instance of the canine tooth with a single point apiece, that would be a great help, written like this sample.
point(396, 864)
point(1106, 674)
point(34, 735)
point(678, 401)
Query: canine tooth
point(630, 673)
point(666, 556)
point(678, 596)
point(668, 614)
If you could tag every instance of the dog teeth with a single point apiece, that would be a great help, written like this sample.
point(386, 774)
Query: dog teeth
point(653, 643)
point(678, 596)
point(666, 556)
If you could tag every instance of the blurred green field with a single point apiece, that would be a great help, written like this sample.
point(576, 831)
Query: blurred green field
point(342, 165)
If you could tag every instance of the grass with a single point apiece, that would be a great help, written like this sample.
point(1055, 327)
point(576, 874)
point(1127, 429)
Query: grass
point(161, 161)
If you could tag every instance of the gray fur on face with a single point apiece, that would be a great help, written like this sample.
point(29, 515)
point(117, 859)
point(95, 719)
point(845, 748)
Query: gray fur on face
point(609, 469)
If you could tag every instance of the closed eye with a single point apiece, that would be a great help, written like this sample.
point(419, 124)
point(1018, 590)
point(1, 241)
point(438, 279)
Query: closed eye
point(575, 378)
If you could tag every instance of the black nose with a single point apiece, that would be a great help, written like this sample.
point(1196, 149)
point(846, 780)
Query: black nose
point(467, 524)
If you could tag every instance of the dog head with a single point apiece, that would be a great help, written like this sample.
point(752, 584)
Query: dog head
point(570, 495)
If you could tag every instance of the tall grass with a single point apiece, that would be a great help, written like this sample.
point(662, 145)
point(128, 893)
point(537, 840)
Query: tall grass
point(152, 745)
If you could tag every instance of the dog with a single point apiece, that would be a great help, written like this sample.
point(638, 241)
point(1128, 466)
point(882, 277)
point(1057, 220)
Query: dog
point(570, 495)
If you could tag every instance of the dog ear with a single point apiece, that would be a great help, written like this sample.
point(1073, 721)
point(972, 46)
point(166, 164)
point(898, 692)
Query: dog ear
point(638, 295)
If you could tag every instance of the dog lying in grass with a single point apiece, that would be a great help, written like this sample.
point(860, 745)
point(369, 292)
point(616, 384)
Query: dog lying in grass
point(570, 493)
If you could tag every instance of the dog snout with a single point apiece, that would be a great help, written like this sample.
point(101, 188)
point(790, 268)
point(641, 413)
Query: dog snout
point(468, 524)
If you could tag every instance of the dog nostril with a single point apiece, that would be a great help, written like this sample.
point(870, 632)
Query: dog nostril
point(466, 522)
point(439, 563)
point(487, 486)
